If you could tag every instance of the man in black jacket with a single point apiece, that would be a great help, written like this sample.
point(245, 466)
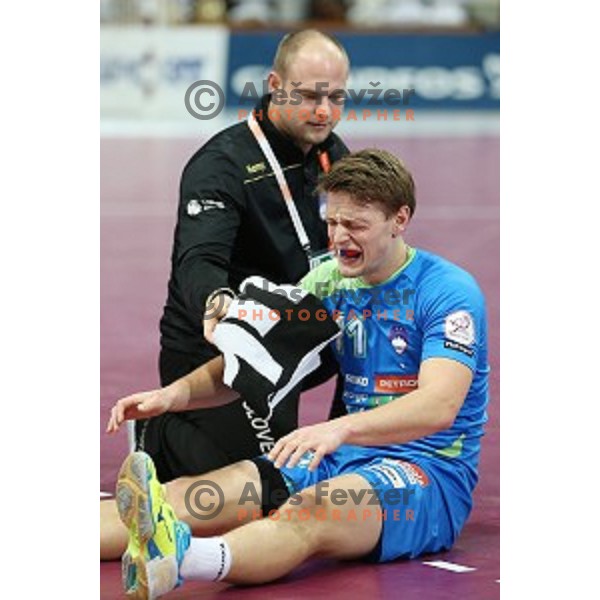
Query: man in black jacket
point(235, 220)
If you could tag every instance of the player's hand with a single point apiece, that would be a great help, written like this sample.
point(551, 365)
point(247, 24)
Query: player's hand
point(215, 310)
point(320, 439)
point(139, 406)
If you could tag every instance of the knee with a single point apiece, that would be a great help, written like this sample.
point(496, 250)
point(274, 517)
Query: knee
point(306, 513)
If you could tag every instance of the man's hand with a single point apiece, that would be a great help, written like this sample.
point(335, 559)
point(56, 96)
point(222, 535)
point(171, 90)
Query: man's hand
point(216, 308)
point(321, 439)
point(139, 406)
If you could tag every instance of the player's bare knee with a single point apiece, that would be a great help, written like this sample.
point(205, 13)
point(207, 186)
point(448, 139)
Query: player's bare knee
point(301, 505)
point(247, 471)
point(305, 514)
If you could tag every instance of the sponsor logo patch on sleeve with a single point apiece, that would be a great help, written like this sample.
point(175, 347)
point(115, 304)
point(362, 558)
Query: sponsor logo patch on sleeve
point(459, 328)
point(459, 332)
point(195, 207)
point(456, 346)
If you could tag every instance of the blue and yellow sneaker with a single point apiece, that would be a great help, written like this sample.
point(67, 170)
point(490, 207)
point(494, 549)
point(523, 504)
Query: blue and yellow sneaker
point(157, 540)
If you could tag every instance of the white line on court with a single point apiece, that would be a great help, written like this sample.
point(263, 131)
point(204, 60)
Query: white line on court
point(448, 566)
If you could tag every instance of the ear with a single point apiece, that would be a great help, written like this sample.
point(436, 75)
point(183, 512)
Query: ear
point(401, 219)
point(274, 80)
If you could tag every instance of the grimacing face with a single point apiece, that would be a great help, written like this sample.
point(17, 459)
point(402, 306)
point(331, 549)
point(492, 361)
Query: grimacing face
point(309, 111)
point(365, 241)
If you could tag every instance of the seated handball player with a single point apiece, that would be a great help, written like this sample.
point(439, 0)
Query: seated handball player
point(393, 478)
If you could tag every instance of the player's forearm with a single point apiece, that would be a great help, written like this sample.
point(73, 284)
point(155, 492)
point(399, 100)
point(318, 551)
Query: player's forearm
point(407, 418)
point(202, 388)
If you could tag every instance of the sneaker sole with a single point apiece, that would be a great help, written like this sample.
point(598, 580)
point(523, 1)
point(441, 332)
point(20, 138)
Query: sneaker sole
point(133, 504)
point(140, 592)
point(132, 494)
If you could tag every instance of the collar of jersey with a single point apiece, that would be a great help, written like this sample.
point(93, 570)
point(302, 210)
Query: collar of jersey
point(412, 252)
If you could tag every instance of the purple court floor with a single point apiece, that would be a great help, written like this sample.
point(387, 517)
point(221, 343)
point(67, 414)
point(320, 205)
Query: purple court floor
point(457, 216)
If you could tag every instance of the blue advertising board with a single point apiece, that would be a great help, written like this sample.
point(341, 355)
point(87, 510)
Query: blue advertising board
point(457, 71)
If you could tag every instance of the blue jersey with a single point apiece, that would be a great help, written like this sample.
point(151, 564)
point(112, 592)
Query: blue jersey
point(430, 308)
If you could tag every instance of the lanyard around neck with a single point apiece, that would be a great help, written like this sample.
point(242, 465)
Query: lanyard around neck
point(263, 142)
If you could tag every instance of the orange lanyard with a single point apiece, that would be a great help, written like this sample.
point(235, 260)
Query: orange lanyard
point(324, 161)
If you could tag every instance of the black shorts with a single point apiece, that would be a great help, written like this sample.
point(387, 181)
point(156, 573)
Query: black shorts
point(195, 442)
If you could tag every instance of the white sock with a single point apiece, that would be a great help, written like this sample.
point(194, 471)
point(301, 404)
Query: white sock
point(207, 559)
